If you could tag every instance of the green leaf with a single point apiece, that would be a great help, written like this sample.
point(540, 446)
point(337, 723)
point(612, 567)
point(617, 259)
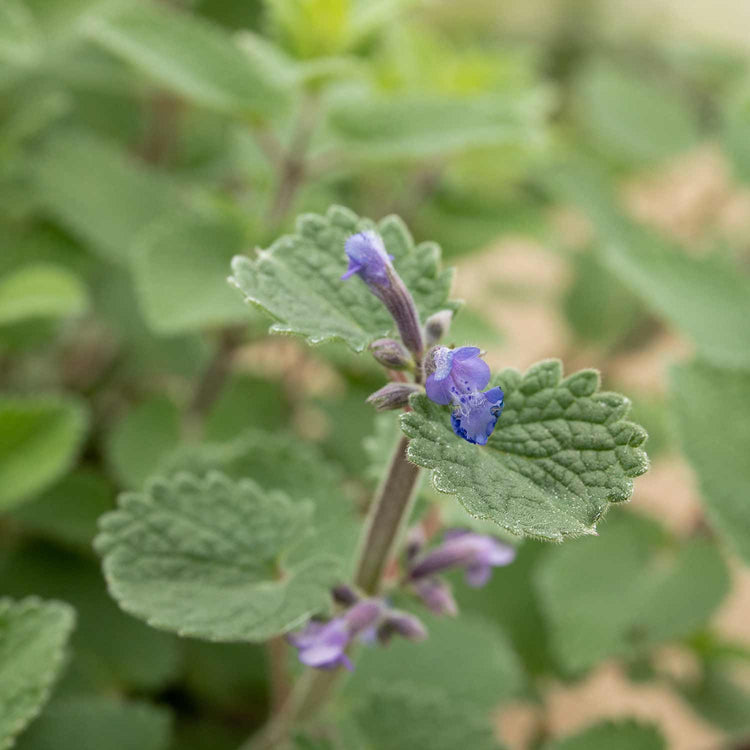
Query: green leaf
point(41, 291)
point(190, 57)
point(180, 272)
point(632, 117)
point(720, 699)
point(68, 511)
point(33, 635)
point(560, 454)
point(468, 658)
point(707, 298)
point(623, 592)
point(712, 409)
point(142, 439)
point(298, 279)
point(145, 659)
point(280, 461)
point(395, 716)
point(98, 193)
point(420, 126)
point(98, 723)
point(214, 559)
point(620, 735)
point(40, 439)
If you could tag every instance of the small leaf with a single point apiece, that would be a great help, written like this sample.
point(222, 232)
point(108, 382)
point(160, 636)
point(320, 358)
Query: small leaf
point(41, 291)
point(142, 439)
point(620, 735)
point(720, 699)
point(190, 57)
point(180, 271)
point(98, 723)
point(298, 279)
point(396, 716)
point(33, 635)
point(560, 454)
point(40, 439)
point(712, 407)
point(214, 559)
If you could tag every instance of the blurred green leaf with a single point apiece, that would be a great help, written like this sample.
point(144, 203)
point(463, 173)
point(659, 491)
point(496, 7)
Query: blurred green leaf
point(630, 116)
point(394, 717)
point(468, 658)
point(712, 410)
point(190, 57)
point(720, 699)
point(41, 291)
point(98, 723)
point(619, 735)
point(40, 438)
point(142, 439)
point(33, 635)
point(214, 559)
point(144, 659)
point(418, 126)
point(561, 452)
point(298, 279)
point(180, 267)
point(623, 592)
point(707, 298)
point(68, 511)
point(311, 28)
point(98, 193)
point(244, 401)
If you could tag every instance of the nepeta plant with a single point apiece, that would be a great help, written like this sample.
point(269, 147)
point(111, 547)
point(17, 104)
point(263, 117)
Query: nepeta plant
point(534, 454)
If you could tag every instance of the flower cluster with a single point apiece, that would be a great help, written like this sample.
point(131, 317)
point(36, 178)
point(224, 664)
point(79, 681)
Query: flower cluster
point(323, 644)
point(456, 376)
point(476, 553)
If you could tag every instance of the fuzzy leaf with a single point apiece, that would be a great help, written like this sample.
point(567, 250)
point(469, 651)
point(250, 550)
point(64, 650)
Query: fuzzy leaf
point(192, 58)
point(98, 723)
point(560, 454)
point(214, 559)
point(33, 635)
point(39, 440)
point(620, 735)
point(298, 279)
point(712, 407)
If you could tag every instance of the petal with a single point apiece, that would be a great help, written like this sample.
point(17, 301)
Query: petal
point(470, 374)
point(466, 352)
point(495, 396)
point(501, 554)
point(477, 575)
point(438, 391)
point(475, 422)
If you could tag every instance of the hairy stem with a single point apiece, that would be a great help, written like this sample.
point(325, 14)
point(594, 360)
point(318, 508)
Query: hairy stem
point(388, 514)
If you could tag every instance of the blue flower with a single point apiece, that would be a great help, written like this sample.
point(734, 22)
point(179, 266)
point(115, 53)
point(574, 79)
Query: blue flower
point(458, 378)
point(476, 553)
point(368, 258)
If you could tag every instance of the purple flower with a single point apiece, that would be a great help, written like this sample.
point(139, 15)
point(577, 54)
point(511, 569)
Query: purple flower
point(322, 645)
point(370, 261)
point(401, 623)
point(476, 553)
point(368, 257)
point(458, 378)
point(437, 595)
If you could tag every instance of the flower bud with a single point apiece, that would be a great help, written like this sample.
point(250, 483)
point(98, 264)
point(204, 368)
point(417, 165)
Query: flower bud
point(436, 326)
point(391, 354)
point(345, 595)
point(370, 261)
point(403, 624)
point(437, 596)
point(392, 396)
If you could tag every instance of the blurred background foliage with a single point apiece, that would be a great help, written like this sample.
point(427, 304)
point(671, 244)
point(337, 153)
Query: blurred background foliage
point(585, 164)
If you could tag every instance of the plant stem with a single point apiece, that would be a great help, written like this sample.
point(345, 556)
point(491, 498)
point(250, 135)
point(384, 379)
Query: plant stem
point(388, 514)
